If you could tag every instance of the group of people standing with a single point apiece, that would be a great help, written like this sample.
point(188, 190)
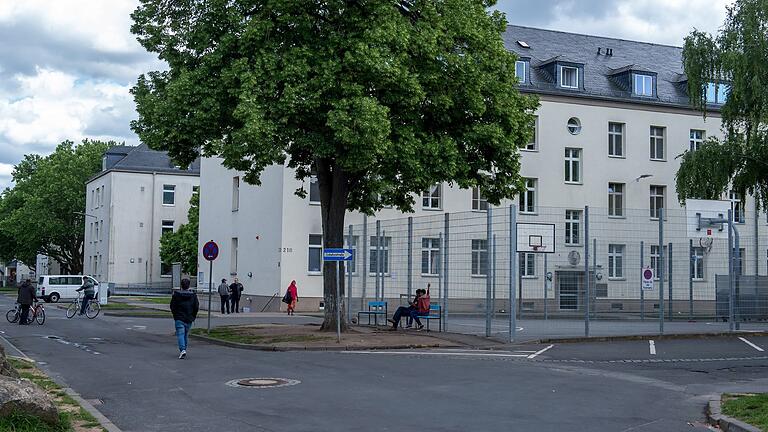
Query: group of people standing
point(230, 296)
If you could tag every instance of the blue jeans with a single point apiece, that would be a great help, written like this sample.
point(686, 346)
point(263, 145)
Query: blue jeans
point(86, 298)
point(182, 334)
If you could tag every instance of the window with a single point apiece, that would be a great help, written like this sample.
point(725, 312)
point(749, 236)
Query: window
point(374, 253)
point(430, 199)
point(98, 198)
point(643, 85)
point(520, 67)
point(166, 227)
point(235, 193)
point(657, 143)
point(233, 260)
point(569, 77)
point(478, 202)
point(572, 165)
point(717, 93)
point(616, 199)
point(737, 207)
point(169, 195)
point(616, 139)
point(101, 234)
point(657, 200)
point(527, 264)
point(572, 218)
point(430, 256)
point(195, 190)
point(615, 261)
point(95, 239)
point(528, 198)
point(574, 126)
point(479, 257)
point(533, 145)
point(697, 137)
point(655, 259)
point(95, 265)
point(102, 196)
point(697, 263)
point(90, 234)
point(351, 243)
point(314, 189)
point(315, 253)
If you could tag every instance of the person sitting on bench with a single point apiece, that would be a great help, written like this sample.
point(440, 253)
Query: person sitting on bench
point(418, 307)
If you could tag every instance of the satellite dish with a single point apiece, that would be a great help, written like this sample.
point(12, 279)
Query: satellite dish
point(574, 257)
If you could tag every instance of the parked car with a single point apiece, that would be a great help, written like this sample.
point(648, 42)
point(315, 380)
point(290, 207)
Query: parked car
point(53, 288)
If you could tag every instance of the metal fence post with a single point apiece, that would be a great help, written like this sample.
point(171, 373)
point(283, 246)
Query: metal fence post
point(488, 235)
point(731, 290)
point(364, 270)
point(669, 287)
point(594, 270)
point(384, 269)
point(409, 281)
point(446, 248)
point(545, 286)
point(642, 291)
point(757, 239)
point(349, 274)
point(738, 270)
point(378, 258)
point(586, 271)
point(493, 278)
point(512, 271)
point(660, 265)
point(439, 264)
point(691, 275)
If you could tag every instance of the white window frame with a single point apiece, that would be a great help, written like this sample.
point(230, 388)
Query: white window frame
point(528, 199)
point(655, 261)
point(527, 265)
point(373, 263)
point(166, 225)
point(657, 141)
point(737, 207)
point(658, 195)
point(170, 189)
point(645, 87)
point(432, 199)
point(573, 165)
point(696, 138)
point(102, 195)
point(572, 227)
point(96, 238)
point(479, 257)
point(616, 193)
point(563, 70)
point(524, 64)
point(314, 186)
point(698, 269)
point(616, 140)
point(616, 261)
point(234, 256)
point(235, 193)
point(316, 248)
point(716, 93)
point(430, 255)
point(534, 144)
point(478, 202)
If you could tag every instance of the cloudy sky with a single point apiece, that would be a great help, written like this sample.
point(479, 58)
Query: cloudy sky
point(66, 66)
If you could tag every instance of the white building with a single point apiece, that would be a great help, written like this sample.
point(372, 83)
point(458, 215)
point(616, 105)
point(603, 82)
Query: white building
point(614, 116)
point(139, 195)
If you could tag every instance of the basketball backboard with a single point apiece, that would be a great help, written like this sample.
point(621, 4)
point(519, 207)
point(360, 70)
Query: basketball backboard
point(701, 213)
point(535, 237)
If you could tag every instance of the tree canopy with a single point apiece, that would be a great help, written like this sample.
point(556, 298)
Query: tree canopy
point(39, 214)
point(737, 59)
point(381, 99)
point(181, 245)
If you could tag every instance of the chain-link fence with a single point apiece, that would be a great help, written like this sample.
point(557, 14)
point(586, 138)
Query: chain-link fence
point(586, 279)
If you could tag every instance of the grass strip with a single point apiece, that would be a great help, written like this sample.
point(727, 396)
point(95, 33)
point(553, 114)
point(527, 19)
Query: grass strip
point(749, 408)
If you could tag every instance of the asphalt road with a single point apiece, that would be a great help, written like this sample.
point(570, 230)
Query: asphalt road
point(129, 366)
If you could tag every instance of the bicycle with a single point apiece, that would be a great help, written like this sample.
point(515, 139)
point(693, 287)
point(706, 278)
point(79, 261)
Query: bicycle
point(37, 311)
point(91, 310)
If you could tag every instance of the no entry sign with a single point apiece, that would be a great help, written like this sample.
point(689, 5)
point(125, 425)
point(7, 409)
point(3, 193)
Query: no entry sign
point(211, 250)
point(647, 278)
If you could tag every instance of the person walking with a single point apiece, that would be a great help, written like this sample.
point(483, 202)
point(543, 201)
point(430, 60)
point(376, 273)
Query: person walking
point(89, 292)
point(25, 298)
point(294, 293)
point(236, 290)
point(184, 307)
point(224, 294)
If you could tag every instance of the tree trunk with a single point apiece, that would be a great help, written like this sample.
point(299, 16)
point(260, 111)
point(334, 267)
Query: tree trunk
point(332, 183)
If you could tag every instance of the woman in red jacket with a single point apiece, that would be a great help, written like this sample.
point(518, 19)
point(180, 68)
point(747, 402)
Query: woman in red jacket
point(292, 290)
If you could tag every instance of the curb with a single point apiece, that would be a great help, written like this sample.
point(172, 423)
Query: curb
point(254, 347)
point(105, 422)
point(643, 337)
point(715, 417)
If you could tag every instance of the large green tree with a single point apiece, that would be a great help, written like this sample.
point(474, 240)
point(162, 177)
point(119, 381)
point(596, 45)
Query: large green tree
point(180, 246)
point(737, 59)
point(43, 212)
point(380, 98)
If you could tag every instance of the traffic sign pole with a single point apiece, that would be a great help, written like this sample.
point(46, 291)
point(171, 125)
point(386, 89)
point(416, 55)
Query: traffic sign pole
point(210, 252)
point(210, 284)
point(338, 303)
point(337, 254)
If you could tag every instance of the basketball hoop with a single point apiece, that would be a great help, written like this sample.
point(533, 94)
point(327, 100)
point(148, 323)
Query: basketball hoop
point(706, 243)
point(537, 248)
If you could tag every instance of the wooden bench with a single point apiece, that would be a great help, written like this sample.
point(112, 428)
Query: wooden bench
point(375, 308)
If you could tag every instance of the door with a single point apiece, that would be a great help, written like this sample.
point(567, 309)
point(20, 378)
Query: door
point(569, 285)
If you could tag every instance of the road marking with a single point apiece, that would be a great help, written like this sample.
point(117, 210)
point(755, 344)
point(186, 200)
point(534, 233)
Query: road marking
point(751, 344)
point(539, 352)
point(447, 354)
point(652, 347)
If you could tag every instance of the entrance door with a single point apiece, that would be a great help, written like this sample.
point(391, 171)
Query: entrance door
point(569, 285)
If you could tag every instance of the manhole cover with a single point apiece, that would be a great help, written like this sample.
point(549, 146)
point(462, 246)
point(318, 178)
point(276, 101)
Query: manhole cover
point(53, 337)
point(262, 382)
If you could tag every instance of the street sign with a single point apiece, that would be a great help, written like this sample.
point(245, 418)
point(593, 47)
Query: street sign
point(647, 278)
point(338, 254)
point(211, 250)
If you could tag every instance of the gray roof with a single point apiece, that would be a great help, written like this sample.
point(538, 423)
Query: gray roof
point(143, 159)
point(599, 69)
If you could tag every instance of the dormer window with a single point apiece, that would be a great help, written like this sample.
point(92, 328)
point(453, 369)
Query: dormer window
point(717, 93)
point(569, 77)
point(643, 85)
point(521, 71)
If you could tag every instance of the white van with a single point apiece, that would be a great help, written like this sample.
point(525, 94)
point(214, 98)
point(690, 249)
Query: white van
point(53, 288)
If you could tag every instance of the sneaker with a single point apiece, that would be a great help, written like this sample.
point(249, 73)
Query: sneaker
point(183, 355)
point(391, 321)
point(408, 325)
point(420, 326)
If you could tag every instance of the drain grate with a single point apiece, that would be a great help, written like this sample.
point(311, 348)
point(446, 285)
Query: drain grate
point(262, 382)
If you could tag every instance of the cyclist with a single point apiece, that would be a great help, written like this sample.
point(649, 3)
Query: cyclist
point(88, 293)
point(26, 298)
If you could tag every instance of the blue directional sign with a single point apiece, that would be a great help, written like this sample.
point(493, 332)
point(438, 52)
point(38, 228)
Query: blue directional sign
point(337, 254)
point(210, 250)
